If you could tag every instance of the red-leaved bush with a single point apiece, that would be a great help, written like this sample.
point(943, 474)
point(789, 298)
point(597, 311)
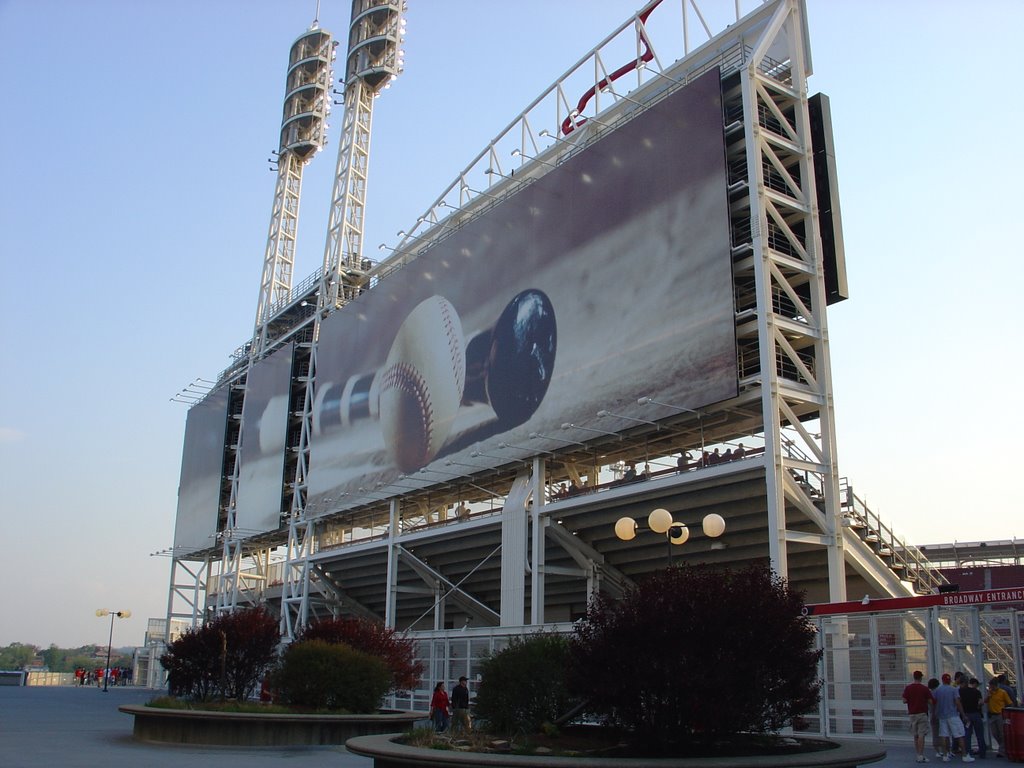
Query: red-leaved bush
point(693, 654)
point(226, 657)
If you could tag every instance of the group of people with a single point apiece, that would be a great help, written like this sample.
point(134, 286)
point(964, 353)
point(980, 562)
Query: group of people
point(955, 710)
point(115, 675)
point(685, 460)
point(453, 711)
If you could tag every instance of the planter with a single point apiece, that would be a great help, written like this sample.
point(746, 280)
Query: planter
point(387, 753)
point(245, 729)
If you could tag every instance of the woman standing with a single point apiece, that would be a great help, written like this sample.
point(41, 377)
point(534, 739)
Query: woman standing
point(439, 708)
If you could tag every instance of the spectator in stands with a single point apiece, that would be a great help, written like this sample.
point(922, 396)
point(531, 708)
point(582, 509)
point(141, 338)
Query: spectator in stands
point(995, 702)
point(630, 474)
point(727, 456)
point(716, 457)
point(970, 698)
point(740, 452)
point(918, 697)
point(683, 462)
point(949, 712)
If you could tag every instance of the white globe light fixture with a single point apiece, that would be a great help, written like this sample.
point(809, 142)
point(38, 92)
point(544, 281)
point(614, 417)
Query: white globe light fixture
point(660, 520)
point(625, 528)
point(714, 525)
point(678, 534)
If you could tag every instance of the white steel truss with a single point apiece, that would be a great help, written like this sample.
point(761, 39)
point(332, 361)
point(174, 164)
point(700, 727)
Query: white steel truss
point(186, 598)
point(279, 261)
point(785, 260)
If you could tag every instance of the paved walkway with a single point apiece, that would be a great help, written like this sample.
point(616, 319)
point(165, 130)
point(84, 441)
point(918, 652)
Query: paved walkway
point(81, 728)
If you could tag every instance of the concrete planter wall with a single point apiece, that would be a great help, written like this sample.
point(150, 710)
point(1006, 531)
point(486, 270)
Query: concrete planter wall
point(387, 753)
point(187, 726)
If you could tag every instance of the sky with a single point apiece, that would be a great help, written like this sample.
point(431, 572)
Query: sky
point(137, 196)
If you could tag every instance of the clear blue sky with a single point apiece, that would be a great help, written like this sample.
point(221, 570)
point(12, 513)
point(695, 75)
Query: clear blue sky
point(136, 199)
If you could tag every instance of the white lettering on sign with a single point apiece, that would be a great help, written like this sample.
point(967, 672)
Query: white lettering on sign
point(991, 596)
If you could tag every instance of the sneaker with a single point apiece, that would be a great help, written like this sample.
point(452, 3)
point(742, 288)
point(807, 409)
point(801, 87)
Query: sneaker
point(968, 759)
point(945, 758)
point(922, 759)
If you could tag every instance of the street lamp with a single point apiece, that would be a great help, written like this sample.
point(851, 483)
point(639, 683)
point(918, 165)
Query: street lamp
point(660, 521)
point(101, 612)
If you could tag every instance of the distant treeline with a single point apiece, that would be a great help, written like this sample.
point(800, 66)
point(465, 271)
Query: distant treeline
point(22, 655)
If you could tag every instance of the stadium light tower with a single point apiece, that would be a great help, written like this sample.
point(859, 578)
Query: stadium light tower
point(307, 103)
point(373, 61)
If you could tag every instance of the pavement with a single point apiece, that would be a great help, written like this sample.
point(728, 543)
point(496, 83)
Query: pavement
point(72, 727)
point(80, 727)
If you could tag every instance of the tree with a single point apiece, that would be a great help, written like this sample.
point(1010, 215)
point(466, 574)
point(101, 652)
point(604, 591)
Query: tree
point(524, 685)
point(697, 653)
point(17, 656)
point(374, 638)
point(227, 656)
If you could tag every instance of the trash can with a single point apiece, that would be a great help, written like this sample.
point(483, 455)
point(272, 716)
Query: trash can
point(1013, 733)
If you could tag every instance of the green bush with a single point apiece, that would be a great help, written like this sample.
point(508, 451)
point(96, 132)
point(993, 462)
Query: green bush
point(374, 638)
point(318, 675)
point(693, 654)
point(524, 685)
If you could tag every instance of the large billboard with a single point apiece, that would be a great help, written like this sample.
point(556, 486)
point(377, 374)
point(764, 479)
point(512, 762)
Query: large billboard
point(261, 455)
point(606, 280)
point(202, 460)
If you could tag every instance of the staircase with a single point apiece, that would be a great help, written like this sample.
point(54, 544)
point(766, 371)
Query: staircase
point(905, 560)
point(908, 563)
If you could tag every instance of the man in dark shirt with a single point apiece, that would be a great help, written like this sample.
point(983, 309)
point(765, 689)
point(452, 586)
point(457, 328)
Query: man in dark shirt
point(917, 696)
point(460, 706)
point(970, 698)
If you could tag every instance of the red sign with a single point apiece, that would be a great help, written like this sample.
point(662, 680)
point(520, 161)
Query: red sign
point(948, 599)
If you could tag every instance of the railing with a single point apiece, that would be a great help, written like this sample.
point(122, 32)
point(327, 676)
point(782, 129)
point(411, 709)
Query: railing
point(906, 560)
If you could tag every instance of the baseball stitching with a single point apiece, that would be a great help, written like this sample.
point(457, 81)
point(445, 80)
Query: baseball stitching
point(405, 378)
point(454, 347)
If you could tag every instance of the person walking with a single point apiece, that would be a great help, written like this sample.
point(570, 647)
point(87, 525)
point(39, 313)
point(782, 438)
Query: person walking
point(917, 698)
point(460, 707)
point(970, 698)
point(439, 707)
point(995, 702)
point(950, 714)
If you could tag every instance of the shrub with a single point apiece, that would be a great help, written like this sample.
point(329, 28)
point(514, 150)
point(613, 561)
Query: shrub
point(696, 653)
point(374, 638)
point(317, 675)
point(226, 657)
point(524, 685)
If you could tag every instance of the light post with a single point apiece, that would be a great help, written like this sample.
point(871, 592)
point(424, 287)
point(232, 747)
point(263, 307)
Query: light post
point(101, 612)
point(660, 521)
